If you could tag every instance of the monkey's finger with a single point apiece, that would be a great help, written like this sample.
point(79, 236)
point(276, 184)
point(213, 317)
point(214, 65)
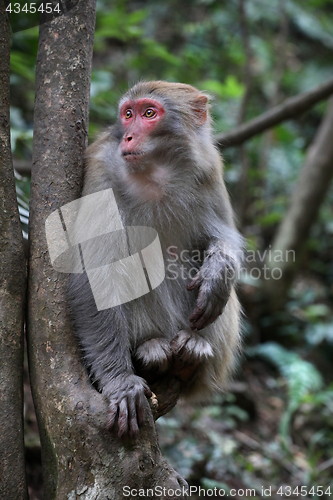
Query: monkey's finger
point(195, 283)
point(204, 321)
point(206, 318)
point(178, 343)
point(147, 391)
point(217, 311)
point(202, 318)
point(213, 310)
point(209, 316)
point(197, 313)
point(132, 417)
point(113, 410)
point(141, 409)
point(206, 311)
point(123, 418)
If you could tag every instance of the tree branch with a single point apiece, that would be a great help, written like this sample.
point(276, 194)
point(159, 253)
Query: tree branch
point(288, 109)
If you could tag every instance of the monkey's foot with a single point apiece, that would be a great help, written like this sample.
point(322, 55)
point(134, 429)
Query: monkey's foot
point(191, 347)
point(154, 355)
point(190, 350)
point(127, 403)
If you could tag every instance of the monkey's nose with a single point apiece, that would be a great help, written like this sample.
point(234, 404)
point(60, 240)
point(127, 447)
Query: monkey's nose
point(129, 143)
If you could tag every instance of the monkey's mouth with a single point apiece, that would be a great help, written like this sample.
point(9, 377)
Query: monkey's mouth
point(133, 155)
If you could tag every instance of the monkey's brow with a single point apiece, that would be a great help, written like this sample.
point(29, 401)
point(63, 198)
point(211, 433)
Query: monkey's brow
point(138, 97)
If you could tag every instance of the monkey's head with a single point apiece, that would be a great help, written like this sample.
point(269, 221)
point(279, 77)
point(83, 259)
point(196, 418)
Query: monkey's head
point(160, 121)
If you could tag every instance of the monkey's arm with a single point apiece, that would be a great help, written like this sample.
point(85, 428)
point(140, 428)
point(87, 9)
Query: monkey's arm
point(216, 278)
point(106, 347)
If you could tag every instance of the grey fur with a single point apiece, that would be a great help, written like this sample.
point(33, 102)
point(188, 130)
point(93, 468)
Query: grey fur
point(179, 191)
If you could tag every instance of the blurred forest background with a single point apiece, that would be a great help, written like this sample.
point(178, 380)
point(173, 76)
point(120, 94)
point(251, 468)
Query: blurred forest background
point(275, 426)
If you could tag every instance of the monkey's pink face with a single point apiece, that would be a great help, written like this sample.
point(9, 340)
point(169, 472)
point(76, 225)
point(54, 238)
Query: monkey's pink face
point(139, 118)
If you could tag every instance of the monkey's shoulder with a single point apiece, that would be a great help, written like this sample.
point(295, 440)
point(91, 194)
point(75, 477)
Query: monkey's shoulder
point(99, 155)
point(108, 138)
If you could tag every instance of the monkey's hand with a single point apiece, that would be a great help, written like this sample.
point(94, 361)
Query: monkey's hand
point(214, 281)
point(127, 403)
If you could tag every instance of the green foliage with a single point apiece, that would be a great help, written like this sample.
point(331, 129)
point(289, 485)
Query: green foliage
point(118, 24)
point(319, 332)
point(204, 444)
point(301, 376)
point(319, 28)
point(314, 312)
point(230, 88)
point(22, 65)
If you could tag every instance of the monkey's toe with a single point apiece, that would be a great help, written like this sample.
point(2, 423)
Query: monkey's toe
point(154, 354)
point(190, 347)
point(128, 405)
point(190, 351)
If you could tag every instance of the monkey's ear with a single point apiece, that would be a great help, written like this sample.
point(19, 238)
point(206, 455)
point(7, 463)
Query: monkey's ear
point(200, 110)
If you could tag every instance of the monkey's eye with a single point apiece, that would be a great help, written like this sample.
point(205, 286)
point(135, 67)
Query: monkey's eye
point(128, 114)
point(150, 113)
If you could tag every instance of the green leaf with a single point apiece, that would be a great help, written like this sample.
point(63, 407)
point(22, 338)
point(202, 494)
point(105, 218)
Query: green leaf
point(270, 219)
point(315, 311)
point(22, 64)
point(155, 49)
point(230, 88)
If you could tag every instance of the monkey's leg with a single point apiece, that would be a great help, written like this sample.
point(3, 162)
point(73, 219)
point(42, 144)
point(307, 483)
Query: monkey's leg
point(152, 358)
point(190, 350)
point(105, 340)
point(211, 375)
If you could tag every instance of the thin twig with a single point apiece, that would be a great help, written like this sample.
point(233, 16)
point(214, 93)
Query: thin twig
point(325, 465)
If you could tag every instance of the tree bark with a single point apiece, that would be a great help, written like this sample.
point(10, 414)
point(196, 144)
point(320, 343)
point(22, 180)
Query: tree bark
point(12, 291)
point(309, 193)
point(80, 457)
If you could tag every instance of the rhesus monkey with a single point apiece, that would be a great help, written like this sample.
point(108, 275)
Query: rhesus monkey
point(160, 161)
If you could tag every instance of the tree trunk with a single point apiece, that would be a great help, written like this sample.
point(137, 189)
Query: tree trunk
point(12, 291)
point(307, 198)
point(80, 457)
